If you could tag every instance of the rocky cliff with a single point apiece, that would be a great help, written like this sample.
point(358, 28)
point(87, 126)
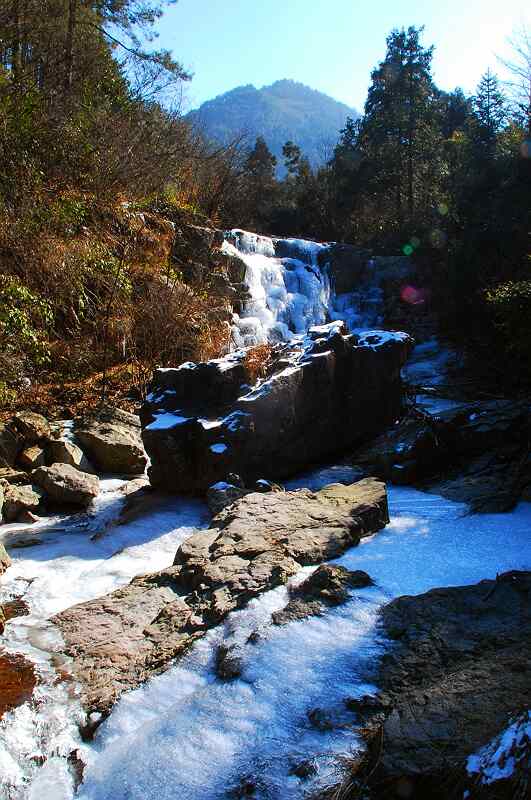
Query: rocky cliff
point(321, 394)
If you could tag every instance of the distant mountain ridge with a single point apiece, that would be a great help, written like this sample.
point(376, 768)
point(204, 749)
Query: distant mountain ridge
point(285, 110)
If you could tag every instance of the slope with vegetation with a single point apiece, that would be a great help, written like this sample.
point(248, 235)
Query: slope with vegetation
point(100, 180)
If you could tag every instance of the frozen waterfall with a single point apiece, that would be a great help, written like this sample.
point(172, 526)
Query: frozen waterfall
point(290, 290)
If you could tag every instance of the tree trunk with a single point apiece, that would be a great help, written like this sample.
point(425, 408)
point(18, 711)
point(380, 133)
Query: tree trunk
point(69, 46)
point(410, 147)
point(16, 64)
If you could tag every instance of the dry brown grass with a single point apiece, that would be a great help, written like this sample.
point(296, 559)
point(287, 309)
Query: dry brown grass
point(257, 360)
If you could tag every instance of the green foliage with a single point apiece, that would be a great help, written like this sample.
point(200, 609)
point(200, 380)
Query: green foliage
point(25, 318)
point(490, 112)
point(510, 304)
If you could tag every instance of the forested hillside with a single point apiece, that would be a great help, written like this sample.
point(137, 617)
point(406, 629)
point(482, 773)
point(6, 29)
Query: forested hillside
point(98, 173)
point(284, 111)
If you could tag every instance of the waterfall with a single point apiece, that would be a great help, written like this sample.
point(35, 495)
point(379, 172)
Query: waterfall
point(290, 290)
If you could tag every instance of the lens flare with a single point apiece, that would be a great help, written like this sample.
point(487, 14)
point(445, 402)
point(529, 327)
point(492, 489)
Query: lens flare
point(413, 295)
point(407, 250)
point(442, 208)
point(525, 148)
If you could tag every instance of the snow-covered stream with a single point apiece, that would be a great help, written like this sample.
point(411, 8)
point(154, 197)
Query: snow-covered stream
point(79, 558)
point(192, 735)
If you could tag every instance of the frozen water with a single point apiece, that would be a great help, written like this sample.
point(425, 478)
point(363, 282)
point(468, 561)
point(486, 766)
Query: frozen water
point(290, 291)
point(197, 737)
point(500, 757)
point(287, 294)
point(78, 558)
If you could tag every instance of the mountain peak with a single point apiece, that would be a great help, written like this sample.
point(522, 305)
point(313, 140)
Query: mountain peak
point(284, 110)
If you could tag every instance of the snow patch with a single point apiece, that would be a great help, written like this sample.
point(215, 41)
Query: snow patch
point(502, 755)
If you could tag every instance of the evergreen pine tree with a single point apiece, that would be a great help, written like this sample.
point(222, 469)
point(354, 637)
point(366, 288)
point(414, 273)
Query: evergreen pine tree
point(490, 113)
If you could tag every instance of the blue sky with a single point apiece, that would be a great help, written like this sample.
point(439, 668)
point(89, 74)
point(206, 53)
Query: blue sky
point(330, 45)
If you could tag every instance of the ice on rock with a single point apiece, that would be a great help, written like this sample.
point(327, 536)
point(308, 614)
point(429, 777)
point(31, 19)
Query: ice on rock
point(290, 291)
point(500, 757)
point(197, 736)
point(218, 448)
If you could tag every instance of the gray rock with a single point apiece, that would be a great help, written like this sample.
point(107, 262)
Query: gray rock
point(328, 586)
point(66, 485)
point(20, 498)
point(200, 423)
point(118, 641)
point(476, 454)
point(60, 451)
point(458, 672)
point(33, 427)
point(111, 439)
point(32, 457)
point(229, 662)
point(11, 443)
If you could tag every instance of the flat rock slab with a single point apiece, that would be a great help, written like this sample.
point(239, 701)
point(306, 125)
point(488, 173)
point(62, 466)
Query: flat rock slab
point(119, 641)
point(459, 671)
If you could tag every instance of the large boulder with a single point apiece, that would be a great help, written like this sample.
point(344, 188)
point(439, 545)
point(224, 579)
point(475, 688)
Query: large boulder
point(457, 674)
point(476, 453)
point(118, 641)
point(201, 422)
point(61, 451)
point(33, 427)
point(66, 485)
point(32, 457)
point(18, 499)
point(112, 441)
point(11, 443)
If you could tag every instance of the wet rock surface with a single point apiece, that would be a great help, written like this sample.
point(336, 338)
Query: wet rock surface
point(118, 641)
point(112, 442)
point(459, 670)
point(329, 585)
point(201, 422)
point(17, 681)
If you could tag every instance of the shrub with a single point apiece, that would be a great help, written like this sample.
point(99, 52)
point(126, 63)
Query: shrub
point(256, 361)
point(510, 304)
point(25, 318)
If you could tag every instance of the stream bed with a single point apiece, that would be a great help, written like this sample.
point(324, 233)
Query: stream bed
point(186, 733)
